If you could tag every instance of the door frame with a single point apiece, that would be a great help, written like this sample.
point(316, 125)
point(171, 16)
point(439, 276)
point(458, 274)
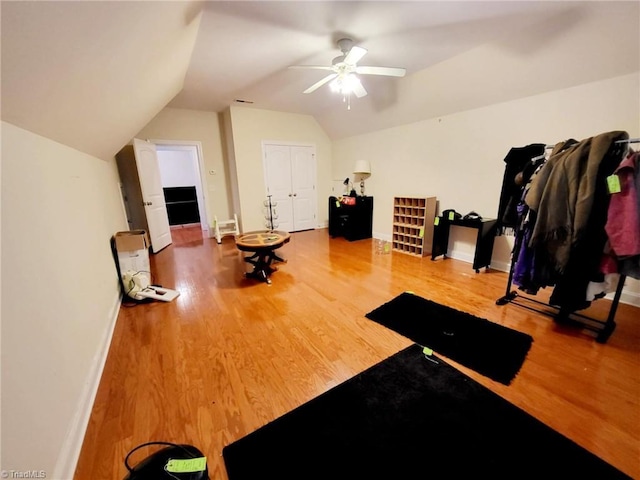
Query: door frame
point(206, 228)
point(264, 144)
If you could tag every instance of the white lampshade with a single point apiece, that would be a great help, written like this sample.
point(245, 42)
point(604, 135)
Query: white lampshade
point(363, 170)
point(362, 167)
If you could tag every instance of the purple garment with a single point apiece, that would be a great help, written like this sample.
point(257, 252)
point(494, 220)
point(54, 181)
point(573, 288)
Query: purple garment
point(524, 273)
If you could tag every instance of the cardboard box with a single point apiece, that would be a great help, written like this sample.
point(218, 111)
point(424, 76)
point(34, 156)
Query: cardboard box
point(132, 249)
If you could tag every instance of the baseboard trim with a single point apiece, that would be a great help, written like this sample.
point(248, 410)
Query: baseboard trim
point(382, 236)
point(70, 451)
point(629, 298)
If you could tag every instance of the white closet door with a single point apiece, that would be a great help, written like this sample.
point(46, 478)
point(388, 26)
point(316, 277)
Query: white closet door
point(290, 174)
point(303, 184)
point(278, 178)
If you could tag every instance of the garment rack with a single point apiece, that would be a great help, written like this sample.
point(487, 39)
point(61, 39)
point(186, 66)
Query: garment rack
point(629, 140)
point(604, 328)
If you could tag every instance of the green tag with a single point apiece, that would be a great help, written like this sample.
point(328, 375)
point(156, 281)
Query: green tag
point(613, 184)
point(387, 247)
point(427, 351)
point(186, 465)
point(337, 204)
point(421, 234)
point(436, 221)
point(409, 291)
point(451, 216)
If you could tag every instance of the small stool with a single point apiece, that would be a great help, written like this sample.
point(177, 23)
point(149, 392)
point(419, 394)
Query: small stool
point(225, 227)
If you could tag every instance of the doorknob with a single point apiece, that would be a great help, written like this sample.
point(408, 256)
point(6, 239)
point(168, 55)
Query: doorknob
point(146, 204)
point(295, 194)
point(289, 194)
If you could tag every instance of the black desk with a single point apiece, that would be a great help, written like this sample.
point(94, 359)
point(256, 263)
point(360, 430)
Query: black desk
point(353, 222)
point(484, 241)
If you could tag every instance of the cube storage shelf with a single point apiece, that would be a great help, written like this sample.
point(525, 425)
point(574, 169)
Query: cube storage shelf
point(413, 225)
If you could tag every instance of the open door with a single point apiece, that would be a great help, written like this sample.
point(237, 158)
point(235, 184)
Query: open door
point(152, 194)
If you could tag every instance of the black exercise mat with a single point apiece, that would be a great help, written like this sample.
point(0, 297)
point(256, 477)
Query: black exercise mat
point(486, 347)
point(408, 417)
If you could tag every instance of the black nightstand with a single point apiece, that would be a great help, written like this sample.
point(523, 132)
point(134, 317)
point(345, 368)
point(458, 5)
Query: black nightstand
point(353, 222)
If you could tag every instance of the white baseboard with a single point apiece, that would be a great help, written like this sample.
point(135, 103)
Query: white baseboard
point(382, 236)
point(500, 266)
point(70, 451)
point(630, 298)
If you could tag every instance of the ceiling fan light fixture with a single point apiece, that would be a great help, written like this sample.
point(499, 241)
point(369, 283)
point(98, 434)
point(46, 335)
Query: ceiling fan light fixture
point(343, 80)
point(345, 84)
point(336, 85)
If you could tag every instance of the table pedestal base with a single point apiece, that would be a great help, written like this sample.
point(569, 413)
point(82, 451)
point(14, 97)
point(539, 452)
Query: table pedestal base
point(262, 244)
point(262, 268)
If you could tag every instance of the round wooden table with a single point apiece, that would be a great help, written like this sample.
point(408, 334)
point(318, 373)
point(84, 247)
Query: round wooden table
point(262, 244)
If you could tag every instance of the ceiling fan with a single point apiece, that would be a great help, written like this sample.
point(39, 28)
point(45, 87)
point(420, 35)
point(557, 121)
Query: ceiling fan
point(344, 69)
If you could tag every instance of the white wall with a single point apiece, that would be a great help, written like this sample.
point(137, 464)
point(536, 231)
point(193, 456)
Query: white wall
point(459, 158)
point(179, 167)
point(60, 296)
point(190, 125)
point(250, 127)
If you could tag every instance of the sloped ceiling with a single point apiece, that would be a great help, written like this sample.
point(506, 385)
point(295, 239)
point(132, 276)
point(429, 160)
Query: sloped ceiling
point(90, 75)
point(93, 74)
point(458, 55)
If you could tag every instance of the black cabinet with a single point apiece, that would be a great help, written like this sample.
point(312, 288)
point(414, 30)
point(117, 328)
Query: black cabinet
point(182, 205)
point(353, 222)
point(484, 241)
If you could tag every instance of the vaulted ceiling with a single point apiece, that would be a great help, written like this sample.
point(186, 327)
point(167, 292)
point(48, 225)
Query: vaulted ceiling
point(92, 74)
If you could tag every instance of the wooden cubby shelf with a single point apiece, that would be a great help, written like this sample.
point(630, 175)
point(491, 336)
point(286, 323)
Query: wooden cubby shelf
point(413, 225)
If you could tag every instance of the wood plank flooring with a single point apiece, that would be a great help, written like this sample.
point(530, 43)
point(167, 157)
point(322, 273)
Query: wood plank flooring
point(231, 354)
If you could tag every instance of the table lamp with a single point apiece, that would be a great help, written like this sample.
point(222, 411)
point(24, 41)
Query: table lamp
point(363, 169)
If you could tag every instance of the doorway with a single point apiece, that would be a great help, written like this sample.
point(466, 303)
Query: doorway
point(290, 175)
point(181, 167)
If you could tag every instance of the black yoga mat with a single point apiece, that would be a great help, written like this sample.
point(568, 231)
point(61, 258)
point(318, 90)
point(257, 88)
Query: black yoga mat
point(409, 417)
point(488, 348)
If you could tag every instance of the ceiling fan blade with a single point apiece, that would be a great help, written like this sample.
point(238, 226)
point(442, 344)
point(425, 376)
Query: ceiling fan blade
point(358, 89)
point(317, 85)
point(316, 67)
point(389, 71)
point(354, 55)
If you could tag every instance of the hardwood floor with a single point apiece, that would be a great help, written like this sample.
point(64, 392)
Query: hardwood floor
point(231, 354)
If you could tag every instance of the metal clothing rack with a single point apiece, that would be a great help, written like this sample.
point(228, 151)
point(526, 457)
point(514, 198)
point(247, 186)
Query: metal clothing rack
point(629, 140)
point(604, 328)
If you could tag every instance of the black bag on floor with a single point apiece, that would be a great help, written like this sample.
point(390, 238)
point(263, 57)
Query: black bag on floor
point(182, 462)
